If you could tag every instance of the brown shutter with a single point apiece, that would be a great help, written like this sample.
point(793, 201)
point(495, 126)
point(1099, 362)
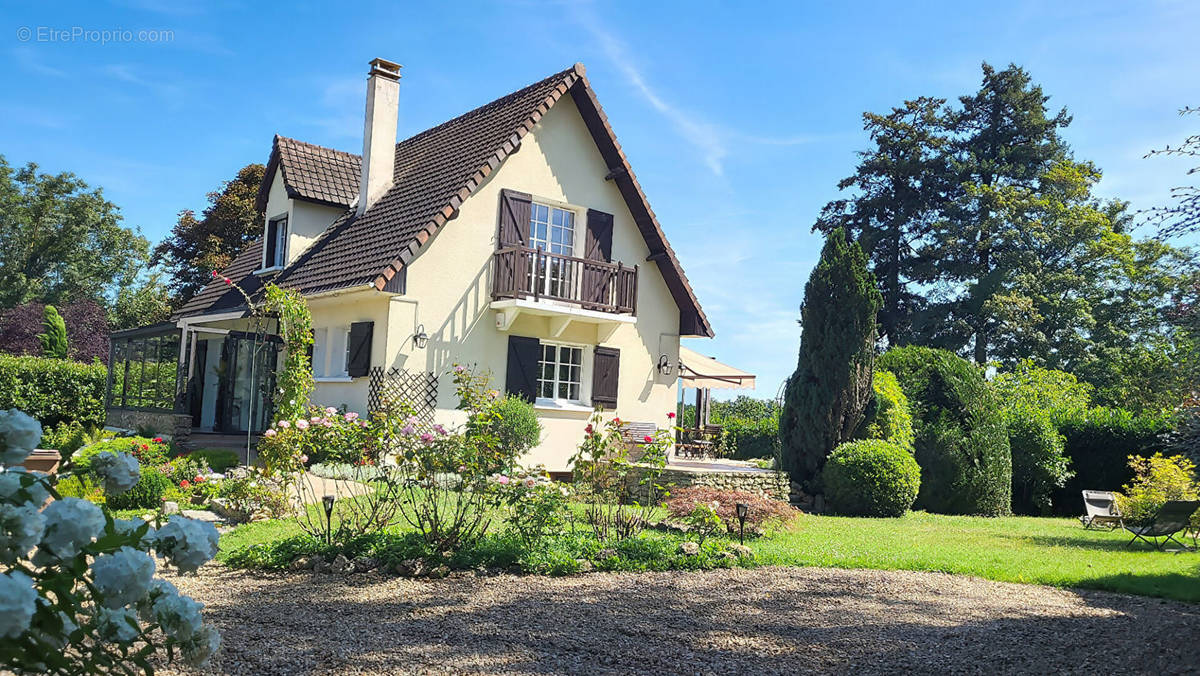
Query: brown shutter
point(597, 280)
point(514, 219)
point(521, 372)
point(605, 369)
point(360, 349)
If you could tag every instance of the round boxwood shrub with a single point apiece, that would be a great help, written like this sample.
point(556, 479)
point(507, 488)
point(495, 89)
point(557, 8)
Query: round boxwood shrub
point(871, 477)
point(888, 415)
point(961, 438)
point(147, 493)
point(516, 424)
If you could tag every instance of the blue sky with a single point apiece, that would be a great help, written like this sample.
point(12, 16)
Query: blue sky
point(738, 119)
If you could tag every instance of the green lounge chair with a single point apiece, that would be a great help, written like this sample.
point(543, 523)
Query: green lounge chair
point(1172, 518)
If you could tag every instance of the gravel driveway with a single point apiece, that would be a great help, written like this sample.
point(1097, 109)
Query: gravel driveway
point(766, 620)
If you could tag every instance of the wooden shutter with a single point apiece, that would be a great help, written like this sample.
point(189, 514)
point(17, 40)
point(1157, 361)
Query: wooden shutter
point(597, 280)
point(514, 219)
point(360, 349)
point(521, 378)
point(605, 369)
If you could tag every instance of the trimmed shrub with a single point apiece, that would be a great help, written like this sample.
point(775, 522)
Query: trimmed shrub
point(762, 510)
point(871, 477)
point(54, 390)
point(149, 452)
point(961, 440)
point(1098, 444)
point(147, 493)
point(219, 459)
point(516, 425)
point(1039, 465)
point(888, 414)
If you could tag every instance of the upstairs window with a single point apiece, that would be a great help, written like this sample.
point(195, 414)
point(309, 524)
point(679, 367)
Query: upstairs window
point(276, 242)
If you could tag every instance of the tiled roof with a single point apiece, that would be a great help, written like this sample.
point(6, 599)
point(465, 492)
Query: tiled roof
point(435, 172)
point(216, 296)
point(312, 172)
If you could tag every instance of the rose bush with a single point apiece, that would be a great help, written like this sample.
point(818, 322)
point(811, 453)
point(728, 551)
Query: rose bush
point(78, 593)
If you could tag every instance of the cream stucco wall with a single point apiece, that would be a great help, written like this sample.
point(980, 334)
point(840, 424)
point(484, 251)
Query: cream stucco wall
point(306, 220)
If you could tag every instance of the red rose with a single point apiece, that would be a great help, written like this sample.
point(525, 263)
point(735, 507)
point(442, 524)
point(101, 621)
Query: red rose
point(648, 438)
point(185, 484)
point(616, 421)
point(228, 280)
point(199, 479)
point(214, 274)
point(671, 414)
point(145, 447)
point(158, 440)
point(588, 429)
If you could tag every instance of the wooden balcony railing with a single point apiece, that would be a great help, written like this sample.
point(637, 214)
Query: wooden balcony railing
point(521, 272)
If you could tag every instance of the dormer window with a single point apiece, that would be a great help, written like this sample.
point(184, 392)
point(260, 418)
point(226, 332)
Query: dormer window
point(276, 243)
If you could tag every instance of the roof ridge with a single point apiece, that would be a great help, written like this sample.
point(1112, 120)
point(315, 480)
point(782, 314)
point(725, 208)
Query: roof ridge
point(280, 137)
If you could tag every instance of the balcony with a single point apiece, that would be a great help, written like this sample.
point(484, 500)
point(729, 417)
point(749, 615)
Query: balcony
point(564, 288)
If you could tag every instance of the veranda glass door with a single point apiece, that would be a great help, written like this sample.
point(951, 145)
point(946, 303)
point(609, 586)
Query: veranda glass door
point(250, 363)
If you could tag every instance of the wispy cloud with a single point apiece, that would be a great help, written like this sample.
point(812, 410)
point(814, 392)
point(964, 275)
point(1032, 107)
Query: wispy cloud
point(171, 92)
point(28, 59)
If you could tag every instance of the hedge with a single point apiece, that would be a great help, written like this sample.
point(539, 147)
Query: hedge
point(871, 477)
point(1099, 442)
point(961, 440)
point(743, 439)
point(54, 390)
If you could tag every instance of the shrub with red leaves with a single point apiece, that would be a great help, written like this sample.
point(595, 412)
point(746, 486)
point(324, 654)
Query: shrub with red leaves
point(761, 510)
point(87, 330)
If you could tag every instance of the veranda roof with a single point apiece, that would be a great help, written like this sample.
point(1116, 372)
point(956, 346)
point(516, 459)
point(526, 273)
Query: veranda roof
point(698, 371)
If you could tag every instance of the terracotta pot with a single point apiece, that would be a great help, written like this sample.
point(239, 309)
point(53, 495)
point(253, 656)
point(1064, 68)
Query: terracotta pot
point(42, 460)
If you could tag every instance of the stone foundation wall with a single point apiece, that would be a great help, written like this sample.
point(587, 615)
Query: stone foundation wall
point(774, 485)
point(177, 426)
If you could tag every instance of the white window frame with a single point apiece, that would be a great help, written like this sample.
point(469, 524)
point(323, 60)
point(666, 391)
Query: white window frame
point(585, 369)
point(282, 234)
point(346, 352)
point(330, 358)
point(564, 276)
point(320, 350)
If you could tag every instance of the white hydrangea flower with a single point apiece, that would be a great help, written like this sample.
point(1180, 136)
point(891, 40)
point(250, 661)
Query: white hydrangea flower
point(120, 471)
point(21, 529)
point(123, 577)
point(19, 435)
point(18, 601)
point(117, 626)
point(71, 524)
point(178, 615)
point(187, 543)
point(11, 490)
point(127, 527)
point(201, 646)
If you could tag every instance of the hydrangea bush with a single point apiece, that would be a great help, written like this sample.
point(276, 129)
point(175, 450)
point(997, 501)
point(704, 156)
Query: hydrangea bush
point(77, 587)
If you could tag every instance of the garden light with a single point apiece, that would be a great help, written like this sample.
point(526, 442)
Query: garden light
point(328, 501)
point(742, 510)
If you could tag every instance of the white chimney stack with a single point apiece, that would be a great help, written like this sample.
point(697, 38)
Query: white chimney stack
point(379, 132)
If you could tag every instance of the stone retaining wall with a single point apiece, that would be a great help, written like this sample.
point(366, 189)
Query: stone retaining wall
point(178, 426)
point(771, 484)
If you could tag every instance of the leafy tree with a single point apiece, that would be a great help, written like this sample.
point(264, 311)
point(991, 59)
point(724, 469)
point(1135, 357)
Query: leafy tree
point(1004, 139)
point(198, 246)
point(149, 302)
point(87, 330)
point(1184, 216)
point(828, 394)
point(61, 241)
point(900, 187)
point(54, 340)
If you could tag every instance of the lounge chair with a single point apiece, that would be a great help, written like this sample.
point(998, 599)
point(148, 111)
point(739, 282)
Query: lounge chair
point(1101, 509)
point(1171, 518)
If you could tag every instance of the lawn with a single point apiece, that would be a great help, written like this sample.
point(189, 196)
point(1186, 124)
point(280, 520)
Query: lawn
point(1056, 552)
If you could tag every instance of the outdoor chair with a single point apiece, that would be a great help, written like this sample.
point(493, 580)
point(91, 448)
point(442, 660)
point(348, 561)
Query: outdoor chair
point(1172, 518)
point(1102, 511)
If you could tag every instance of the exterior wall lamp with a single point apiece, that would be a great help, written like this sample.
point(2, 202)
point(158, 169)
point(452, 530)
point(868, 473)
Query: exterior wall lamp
point(664, 365)
point(420, 338)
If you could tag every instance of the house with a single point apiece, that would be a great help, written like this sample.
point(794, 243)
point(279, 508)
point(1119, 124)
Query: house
point(514, 239)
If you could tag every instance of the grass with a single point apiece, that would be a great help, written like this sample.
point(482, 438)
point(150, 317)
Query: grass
point(1057, 552)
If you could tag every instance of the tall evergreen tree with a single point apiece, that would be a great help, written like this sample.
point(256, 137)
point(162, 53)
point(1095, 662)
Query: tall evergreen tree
point(54, 336)
point(1003, 137)
point(828, 394)
point(196, 247)
point(899, 189)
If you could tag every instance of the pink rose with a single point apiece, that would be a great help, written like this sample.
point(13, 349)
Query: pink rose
point(283, 424)
point(351, 416)
point(304, 458)
point(315, 418)
point(427, 438)
point(648, 438)
point(302, 424)
point(269, 433)
point(331, 410)
point(502, 480)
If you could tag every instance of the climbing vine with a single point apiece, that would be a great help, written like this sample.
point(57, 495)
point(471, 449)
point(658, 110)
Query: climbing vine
point(295, 381)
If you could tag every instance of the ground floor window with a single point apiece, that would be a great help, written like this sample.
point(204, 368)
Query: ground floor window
point(560, 372)
point(143, 370)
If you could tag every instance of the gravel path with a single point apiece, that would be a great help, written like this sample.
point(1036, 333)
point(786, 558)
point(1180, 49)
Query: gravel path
point(766, 620)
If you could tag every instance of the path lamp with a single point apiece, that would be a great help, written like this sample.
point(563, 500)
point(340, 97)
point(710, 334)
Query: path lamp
point(742, 510)
point(328, 501)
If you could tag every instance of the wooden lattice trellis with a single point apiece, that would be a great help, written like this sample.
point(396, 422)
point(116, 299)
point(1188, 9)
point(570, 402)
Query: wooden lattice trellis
point(418, 389)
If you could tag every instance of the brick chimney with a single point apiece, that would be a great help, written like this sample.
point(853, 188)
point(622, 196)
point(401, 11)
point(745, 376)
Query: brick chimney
point(379, 132)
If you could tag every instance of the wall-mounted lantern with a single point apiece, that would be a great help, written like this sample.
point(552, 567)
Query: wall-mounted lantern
point(664, 365)
point(420, 338)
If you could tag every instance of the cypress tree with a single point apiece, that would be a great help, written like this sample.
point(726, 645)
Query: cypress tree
point(54, 340)
point(827, 396)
